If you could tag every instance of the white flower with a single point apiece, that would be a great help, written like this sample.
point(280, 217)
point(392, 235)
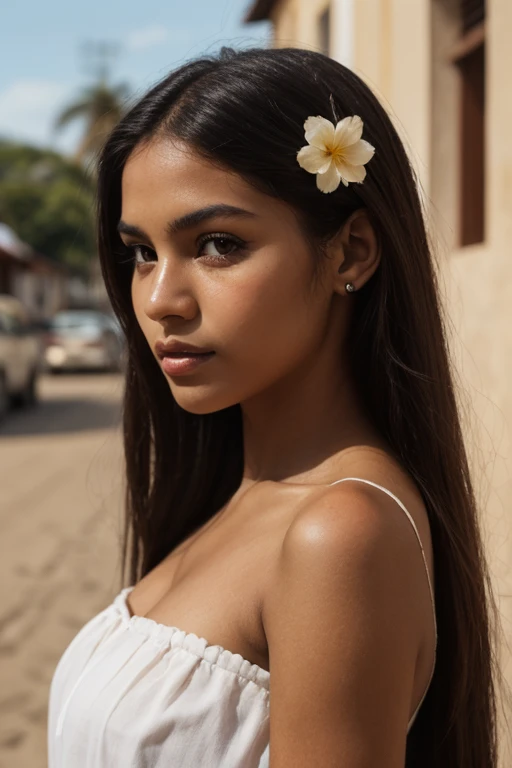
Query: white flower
point(335, 153)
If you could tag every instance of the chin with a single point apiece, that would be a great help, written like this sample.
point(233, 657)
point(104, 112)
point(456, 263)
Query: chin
point(193, 400)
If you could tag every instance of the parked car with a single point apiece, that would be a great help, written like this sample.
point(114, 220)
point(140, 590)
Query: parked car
point(20, 355)
point(80, 339)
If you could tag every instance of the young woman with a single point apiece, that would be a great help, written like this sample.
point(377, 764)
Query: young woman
point(296, 472)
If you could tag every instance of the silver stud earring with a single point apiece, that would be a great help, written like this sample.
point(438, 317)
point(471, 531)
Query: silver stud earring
point(350, 287)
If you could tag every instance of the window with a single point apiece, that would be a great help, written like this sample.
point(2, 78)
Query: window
point(469, 57)
point(472, 13)
point(324, 31)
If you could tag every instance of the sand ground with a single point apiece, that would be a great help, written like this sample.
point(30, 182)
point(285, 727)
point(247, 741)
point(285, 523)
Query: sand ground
point(60, 512)
point(60, 524)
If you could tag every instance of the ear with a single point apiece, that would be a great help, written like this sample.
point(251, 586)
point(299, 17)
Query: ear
point(355, 252)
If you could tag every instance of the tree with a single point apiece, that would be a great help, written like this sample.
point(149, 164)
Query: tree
point(49, 202)
point(100, 106)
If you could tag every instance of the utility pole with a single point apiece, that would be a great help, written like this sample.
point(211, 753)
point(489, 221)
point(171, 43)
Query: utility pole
point(97, 56)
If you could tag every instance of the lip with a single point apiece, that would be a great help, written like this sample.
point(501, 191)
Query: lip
point(177, 366)
point(174, 347)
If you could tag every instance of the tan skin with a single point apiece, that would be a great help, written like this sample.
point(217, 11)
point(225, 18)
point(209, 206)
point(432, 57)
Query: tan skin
point(267, 576)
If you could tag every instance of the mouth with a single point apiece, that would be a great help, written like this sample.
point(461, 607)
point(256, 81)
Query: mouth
point(185, 354)
point(178, 363)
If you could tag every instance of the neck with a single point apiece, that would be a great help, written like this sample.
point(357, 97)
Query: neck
point(295, 430)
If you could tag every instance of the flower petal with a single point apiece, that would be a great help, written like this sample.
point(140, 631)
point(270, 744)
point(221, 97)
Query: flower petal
point(359, 153)
point(348, 131)
point(313, 159)
point(319, 132)
point(328, 181)
point(350, 172)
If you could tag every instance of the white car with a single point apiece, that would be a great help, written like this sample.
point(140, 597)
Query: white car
point(20, 355)
point(83, 339)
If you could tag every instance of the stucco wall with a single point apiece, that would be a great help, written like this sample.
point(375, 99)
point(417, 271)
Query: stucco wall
point(401, 49)
point(294, 22)
point(479, 281)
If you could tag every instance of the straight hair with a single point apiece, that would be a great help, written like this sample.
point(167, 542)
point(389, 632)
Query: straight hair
point(244, 111)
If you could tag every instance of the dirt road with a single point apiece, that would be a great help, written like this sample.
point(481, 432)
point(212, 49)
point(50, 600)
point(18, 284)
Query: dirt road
point(60, 523)
point(60, 512)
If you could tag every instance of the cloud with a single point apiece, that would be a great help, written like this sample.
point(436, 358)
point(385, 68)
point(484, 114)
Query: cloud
point(28, 109)
point(147, 37)
point(24, 97)
point(154, 35)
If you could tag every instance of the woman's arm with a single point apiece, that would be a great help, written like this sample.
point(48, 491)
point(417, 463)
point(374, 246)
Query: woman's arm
point(344, 619)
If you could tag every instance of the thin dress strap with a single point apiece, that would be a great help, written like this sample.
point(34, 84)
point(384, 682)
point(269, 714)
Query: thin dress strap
point(401, 504)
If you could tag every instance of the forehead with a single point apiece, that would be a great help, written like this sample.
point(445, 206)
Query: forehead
point(168, 171)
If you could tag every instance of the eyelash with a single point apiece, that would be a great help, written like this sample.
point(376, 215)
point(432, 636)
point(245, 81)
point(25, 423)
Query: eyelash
point(212, 236)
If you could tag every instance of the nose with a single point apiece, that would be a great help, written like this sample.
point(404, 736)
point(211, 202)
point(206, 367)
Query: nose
point(170, 293)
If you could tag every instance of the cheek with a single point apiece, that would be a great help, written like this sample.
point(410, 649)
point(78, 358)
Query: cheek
point(270, 320)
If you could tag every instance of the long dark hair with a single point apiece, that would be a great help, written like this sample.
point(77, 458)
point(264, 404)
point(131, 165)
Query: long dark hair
point(245, 110)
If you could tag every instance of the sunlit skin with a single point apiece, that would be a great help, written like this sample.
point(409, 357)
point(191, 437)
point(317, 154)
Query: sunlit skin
point(279, 338)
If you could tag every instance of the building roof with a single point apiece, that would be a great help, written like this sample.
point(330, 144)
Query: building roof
point(15, 250)
point(260, 10)
point(11, 244)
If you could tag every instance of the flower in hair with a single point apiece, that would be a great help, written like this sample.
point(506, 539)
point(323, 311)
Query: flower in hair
point(335, 153)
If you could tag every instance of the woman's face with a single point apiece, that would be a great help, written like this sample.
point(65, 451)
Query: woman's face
point(238, 284)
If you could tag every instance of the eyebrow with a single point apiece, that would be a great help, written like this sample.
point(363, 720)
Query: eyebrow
point(190, 220)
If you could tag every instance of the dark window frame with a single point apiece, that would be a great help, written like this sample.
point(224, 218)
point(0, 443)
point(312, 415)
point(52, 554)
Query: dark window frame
point(469, 56)
point(324, 30)
point(472, 13)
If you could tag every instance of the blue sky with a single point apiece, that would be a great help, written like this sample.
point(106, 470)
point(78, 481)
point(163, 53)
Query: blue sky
point(42, 61)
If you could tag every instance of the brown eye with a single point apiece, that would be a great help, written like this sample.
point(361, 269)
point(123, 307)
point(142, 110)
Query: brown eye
point(141, 254)
point(218, 246)
point(222, 245)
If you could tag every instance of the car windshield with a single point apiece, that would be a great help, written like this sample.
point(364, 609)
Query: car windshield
point(70, 320)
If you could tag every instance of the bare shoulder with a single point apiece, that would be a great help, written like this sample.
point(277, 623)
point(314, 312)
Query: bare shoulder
point(347, 529)
point(351, 518)
point(344, 628)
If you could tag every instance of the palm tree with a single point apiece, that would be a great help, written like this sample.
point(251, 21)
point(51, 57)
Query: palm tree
point(100, 106)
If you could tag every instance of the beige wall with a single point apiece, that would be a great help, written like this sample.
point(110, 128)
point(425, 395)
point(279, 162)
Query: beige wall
point(377, 51)
point(480, 282)
point(295, 22)
point(400, 48)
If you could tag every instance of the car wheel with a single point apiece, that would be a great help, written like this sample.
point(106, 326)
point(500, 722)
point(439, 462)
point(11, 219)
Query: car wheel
point(113, 359)
point(4, 400)
point(29, 396)
point(115, 365)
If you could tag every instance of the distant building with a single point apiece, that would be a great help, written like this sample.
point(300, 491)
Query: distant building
point(442, 69)
point(43, 285)
point(15, 257)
